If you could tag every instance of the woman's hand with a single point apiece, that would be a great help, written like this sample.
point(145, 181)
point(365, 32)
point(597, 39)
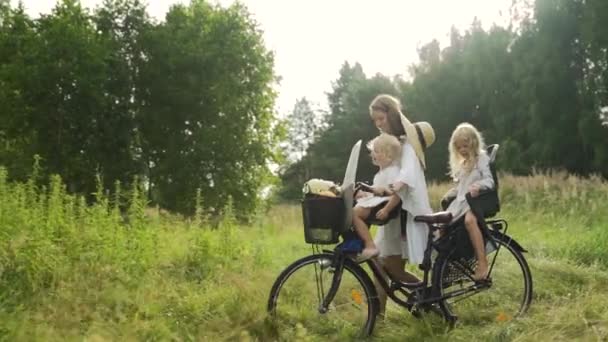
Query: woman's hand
point(382, 214)
point(394, 187)
point(380, 191)
point(474, 190)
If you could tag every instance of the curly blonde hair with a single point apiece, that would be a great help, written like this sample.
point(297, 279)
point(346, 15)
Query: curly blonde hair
point(386, 144)
point(465, 133)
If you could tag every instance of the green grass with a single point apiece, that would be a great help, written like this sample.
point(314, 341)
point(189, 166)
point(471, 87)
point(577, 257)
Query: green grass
point(71, 272)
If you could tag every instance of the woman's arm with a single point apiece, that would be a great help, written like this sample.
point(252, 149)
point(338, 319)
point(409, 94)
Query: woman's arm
point(390, 205)
point(407, 172)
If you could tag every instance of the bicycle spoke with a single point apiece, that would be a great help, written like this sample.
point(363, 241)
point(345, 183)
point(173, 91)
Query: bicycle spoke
point(465, 269)
point(507, 296)
point(319, 282)
point(297, 296)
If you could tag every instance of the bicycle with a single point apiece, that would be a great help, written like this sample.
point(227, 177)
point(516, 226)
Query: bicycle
point(344, 297)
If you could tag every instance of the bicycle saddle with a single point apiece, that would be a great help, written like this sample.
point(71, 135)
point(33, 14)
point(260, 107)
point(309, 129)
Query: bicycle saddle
point(440, 217)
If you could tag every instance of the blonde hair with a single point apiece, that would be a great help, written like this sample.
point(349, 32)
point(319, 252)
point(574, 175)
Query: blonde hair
point(387, 145)
point(390, 106)
point(467, 133)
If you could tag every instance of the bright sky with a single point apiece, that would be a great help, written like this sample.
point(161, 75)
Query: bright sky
point(312, 38)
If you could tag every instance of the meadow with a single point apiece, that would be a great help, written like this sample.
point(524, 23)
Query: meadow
point(70, 271)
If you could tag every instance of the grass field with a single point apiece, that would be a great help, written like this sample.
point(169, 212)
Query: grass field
point(71, 272)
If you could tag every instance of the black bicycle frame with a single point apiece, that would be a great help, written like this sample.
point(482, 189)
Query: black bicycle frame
point(338, 264)
point(429, 294)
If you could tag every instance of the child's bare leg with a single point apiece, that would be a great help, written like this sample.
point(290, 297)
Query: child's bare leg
point(470, 222)
point(359, 216)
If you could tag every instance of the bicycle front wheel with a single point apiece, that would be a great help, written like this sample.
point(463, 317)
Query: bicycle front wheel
point(296, 297)
point(508, 295)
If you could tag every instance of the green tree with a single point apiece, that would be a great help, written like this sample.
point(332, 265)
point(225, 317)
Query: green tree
point(594, 87)
point(121, 23)
point(17, 39)
point(303, 124)
point(538, 88)
point(207, 108)
point(61, 91)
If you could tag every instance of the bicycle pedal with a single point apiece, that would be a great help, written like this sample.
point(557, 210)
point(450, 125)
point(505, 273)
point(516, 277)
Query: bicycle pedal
point(484, 283)
point(424, 266)
point(416, 311)
point(395, 285)
point(451, 319)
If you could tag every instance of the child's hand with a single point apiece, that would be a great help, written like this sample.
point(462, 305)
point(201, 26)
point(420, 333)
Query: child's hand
point(380, 190)
point(474, 190)
point(362, 194)
point(382, 214)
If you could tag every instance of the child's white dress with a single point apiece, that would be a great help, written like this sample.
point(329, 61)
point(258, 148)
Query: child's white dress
point(414, 200)
point(388, 238)
point(383, 178)
point(481, 175)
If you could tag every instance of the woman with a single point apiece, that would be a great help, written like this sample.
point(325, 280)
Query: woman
point(396, 247)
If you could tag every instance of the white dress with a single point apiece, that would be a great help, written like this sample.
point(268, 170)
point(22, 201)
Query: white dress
point(383, 178)
point(388, 236)
point(481, 175)
point(414, 200)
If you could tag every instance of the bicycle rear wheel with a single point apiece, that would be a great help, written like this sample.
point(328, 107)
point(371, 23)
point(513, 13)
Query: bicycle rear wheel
point(508, 296)
point(296, 297)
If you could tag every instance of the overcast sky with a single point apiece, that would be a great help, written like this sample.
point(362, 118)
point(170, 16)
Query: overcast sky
point(312, 38)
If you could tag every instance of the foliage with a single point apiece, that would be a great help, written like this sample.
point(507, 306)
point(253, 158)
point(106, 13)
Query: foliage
point(186, 103)
point(538, 88)
point(206, 113)
point(69, 271)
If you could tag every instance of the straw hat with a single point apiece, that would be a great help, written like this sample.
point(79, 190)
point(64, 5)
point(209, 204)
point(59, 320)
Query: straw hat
point(420, 135)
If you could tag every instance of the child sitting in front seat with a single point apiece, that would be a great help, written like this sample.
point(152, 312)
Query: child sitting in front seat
point(385, 151)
